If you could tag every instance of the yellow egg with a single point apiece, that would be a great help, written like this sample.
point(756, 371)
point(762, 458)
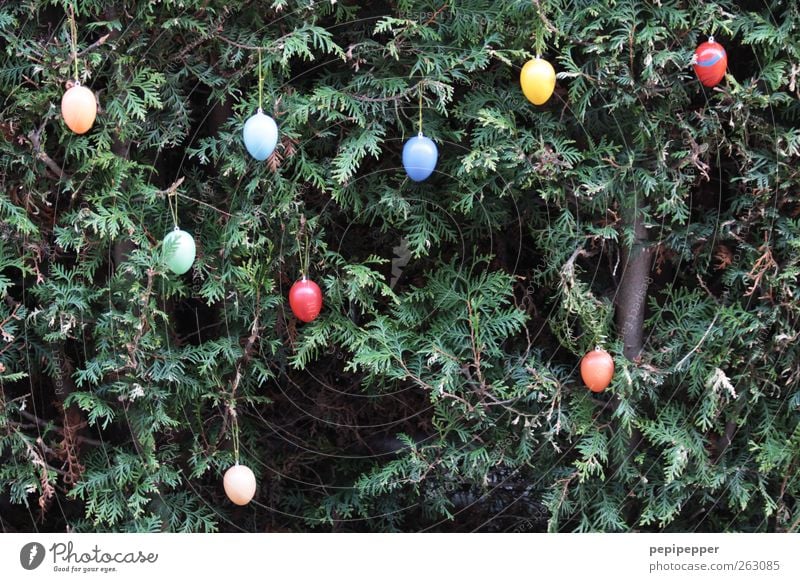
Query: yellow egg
point(538, 79)
point(79, 108)
point(240, 484)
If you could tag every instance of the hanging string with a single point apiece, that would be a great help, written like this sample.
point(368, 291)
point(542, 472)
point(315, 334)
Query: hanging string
point(74, 38)
point(304, 244)
point(173, 209)
point(260, 83)
point(175, 214)
point(235, 433)
point(420, 108)
point(308, 256)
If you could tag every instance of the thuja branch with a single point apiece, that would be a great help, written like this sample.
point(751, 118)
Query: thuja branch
point(476, 350)
point(34, 138)
point(248, 351)
point(43, 424)
point(133, 346)
point(99, 42)
point(700, 343)
point(247, 354)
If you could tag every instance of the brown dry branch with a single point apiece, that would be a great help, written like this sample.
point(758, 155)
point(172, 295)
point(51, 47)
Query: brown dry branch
point(47, 490)
point(763, 264)
point(723, 257)
point(73, 422)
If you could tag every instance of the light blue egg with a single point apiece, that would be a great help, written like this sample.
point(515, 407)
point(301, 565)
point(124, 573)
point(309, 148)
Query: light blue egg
point(419, 157)
point(179, 251)
point(260, 136)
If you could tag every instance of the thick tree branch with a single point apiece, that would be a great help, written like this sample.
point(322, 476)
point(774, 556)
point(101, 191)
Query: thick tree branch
point(42, 424)
point(631, 298)
point(34, 138)
point(100, 41)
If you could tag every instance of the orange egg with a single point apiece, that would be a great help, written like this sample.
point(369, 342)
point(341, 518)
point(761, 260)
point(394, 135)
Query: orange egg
point(597, 369)
point(79, 108)
point(240, 484)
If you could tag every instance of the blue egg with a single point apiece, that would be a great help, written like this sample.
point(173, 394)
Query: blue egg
point(260, 136)
point(419, 157)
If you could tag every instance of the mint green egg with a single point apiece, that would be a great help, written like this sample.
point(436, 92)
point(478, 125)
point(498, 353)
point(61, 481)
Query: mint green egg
point(179, 251)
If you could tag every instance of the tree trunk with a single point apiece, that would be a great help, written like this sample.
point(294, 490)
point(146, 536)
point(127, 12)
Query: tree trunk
point(631, 301)
point(631, 297)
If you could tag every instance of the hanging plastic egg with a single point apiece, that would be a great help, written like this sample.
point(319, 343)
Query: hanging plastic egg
point(260, 136)
point(597, 369)
point(538, 80)
point(240, 484)
point(710, 62)
point(305, 299)
point(79, 108)
point(179, 251)
point(419, 157)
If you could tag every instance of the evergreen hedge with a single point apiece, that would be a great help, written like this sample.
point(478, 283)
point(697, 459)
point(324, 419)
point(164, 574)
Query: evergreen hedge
point(439, 388)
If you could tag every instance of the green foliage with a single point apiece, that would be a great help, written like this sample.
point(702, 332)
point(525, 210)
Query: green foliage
point(439, 388)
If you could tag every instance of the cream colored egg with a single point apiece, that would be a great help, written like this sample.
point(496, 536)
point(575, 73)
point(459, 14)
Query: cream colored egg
point(79, 109)
point(240, 484)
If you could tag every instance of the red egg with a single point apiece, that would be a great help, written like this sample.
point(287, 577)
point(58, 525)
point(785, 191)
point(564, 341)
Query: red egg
point(710, 62)
point(597, 369)
point(305, 299)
